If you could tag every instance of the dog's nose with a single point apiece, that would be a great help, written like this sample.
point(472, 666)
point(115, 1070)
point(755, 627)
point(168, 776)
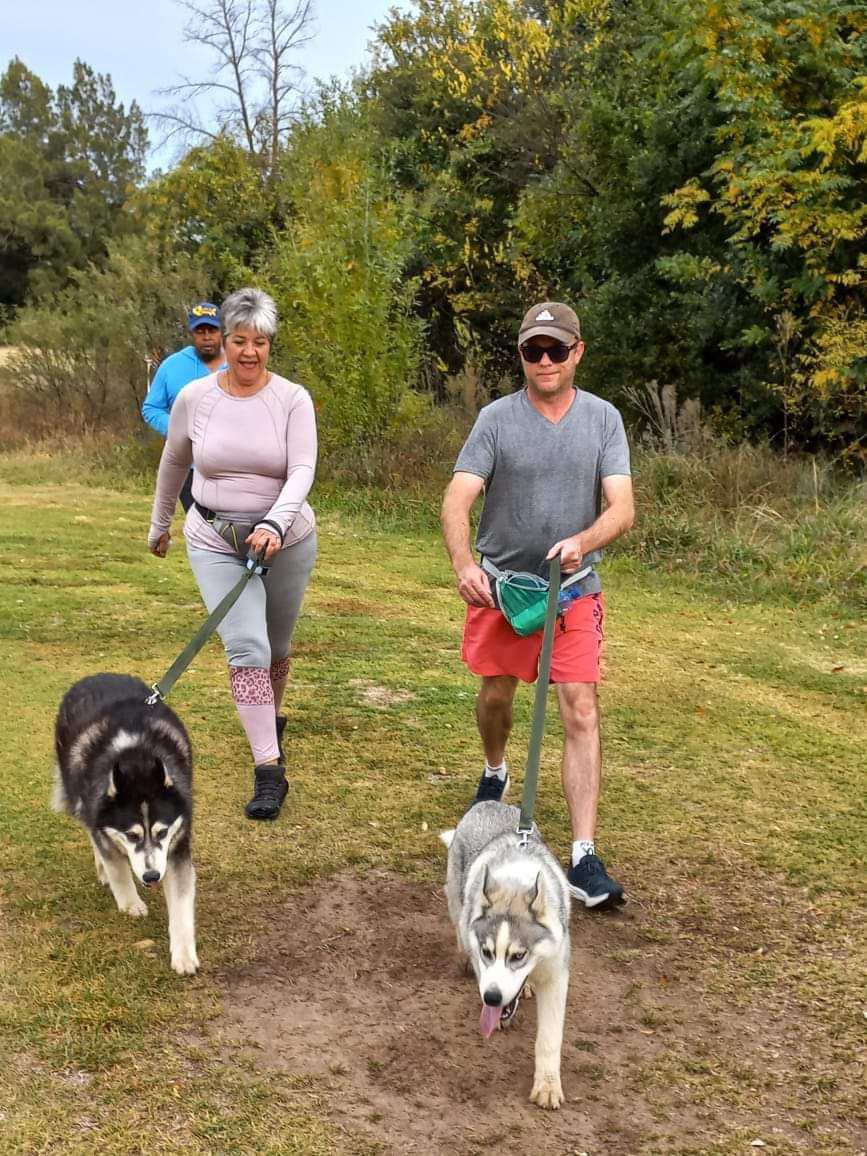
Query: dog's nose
point(151, 877)
point(493, 997)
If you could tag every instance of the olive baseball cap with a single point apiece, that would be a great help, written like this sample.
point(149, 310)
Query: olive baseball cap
point(550, 319)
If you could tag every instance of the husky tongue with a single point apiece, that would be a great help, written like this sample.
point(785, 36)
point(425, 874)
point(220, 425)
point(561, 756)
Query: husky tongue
point(490, 1019)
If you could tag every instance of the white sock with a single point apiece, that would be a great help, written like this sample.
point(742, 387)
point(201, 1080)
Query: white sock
point(499, 771)
point(580, 848)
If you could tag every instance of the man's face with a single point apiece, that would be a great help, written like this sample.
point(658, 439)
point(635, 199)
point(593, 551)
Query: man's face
point(206, 339)
point(547, 377)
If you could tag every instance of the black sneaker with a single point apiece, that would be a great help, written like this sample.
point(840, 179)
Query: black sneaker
point(591, 883)
point(281, 727)
point(269, 791)
point(491, 789)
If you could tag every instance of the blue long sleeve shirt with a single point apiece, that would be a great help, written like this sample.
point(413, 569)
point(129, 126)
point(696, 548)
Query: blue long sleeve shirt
point(173, 374)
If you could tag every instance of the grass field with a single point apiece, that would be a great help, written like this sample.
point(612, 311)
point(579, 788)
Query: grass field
point(732, 809)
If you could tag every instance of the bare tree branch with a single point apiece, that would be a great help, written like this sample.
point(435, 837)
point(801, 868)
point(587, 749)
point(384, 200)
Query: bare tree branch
point(179, 127)
point(284, 32)
point(253, 43)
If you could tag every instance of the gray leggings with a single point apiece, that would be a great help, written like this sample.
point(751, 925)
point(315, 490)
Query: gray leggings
point(258, 629)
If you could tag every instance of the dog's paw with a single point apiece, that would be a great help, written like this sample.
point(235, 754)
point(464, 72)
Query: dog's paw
point(547, 1091)
point(101, 876)
point(185, 961)
point(136, 907)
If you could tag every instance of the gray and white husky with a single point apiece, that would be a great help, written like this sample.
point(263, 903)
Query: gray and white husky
point(124, 770)
point(510, 907)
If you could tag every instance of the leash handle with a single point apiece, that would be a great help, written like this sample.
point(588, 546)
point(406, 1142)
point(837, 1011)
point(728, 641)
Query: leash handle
point(531, 775)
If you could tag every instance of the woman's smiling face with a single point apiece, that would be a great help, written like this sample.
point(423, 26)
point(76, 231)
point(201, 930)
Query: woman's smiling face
point(247, 353)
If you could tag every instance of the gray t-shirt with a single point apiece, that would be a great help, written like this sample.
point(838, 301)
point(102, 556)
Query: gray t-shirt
point(543, 481)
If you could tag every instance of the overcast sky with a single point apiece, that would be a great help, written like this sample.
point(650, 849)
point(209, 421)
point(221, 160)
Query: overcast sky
point(141, 45)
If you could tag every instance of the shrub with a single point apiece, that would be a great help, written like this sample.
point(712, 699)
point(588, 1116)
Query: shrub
point(80, 356)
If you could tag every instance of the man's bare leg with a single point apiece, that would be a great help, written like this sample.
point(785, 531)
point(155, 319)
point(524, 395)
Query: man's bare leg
point(494, 716)
point(582, 755)
point(582, 777)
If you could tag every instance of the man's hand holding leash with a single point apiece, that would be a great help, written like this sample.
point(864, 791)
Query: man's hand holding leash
point(570, 551)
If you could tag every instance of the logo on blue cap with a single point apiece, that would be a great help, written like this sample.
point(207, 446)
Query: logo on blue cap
point(205, 313)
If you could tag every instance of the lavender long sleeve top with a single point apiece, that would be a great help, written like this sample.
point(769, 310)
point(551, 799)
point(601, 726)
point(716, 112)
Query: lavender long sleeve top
point(255, 458)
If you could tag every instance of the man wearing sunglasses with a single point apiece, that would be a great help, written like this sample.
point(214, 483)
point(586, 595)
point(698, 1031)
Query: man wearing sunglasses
point(544, 457)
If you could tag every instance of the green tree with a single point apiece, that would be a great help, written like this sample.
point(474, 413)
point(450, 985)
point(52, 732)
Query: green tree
point(68, 161)
point(459, 93)
point(788, 181)
point(591, 229)
point(338, 273)
point(213, 205)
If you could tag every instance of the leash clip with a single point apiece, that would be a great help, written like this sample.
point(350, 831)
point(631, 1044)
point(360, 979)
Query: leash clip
point(153, 699)
point(256, 565)
point(523, 834)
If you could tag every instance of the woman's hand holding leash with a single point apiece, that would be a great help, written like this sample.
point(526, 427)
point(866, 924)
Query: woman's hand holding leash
point(263, 543)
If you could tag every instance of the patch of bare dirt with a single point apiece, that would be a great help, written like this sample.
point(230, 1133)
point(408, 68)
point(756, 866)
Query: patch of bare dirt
point(379, 696)
point(361, 987)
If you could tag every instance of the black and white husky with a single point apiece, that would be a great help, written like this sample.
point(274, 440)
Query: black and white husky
point(124, 770)
point(510, 907)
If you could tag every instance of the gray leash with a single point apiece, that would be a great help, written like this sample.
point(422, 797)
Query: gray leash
point(160, 689)
point(531, 775)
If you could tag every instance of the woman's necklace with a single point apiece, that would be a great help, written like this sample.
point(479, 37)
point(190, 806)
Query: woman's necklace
point(234, 390)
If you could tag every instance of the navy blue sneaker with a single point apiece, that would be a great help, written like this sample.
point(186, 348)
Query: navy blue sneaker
point(591, 883)
point(491, 789)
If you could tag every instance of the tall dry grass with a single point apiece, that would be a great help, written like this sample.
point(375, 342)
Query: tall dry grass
point(742, 518)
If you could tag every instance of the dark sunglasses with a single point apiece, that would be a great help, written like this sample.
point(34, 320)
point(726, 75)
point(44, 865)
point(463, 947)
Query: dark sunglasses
point(558, 353)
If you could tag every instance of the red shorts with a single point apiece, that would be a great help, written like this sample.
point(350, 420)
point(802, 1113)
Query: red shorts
point(491, 647)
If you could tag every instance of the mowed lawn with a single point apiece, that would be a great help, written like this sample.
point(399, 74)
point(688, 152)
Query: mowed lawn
point(733, 810)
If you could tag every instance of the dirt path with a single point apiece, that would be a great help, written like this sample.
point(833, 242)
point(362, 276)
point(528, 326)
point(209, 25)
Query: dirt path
point(361, 987)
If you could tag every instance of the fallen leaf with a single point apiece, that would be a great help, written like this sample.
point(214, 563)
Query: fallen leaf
point(837, 669)
point(757, 1144)
point(144, 944)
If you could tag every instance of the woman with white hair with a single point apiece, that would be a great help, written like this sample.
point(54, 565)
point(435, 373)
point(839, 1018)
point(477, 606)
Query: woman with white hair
point(251, 436)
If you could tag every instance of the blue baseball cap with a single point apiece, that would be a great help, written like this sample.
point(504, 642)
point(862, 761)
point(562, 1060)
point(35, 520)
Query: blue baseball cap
point(205, 313)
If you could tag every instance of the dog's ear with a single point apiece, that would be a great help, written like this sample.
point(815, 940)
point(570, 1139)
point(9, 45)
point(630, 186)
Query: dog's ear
point(168, 781)
point(536, 897)
point(490, 889)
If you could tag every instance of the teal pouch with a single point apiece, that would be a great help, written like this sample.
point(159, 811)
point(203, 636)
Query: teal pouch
point(523, 599)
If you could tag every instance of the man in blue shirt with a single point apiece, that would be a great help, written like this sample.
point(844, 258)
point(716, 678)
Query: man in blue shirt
point(203, 356)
